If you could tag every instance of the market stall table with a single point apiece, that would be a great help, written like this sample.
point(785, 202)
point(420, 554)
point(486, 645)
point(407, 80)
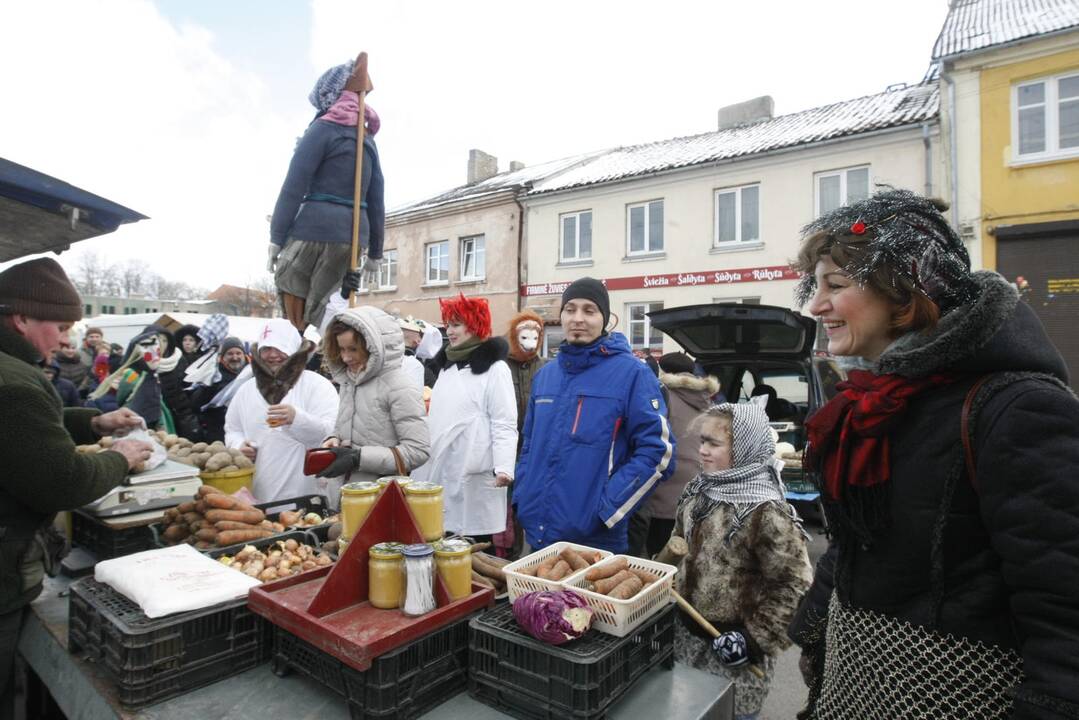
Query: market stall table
point(84, 692)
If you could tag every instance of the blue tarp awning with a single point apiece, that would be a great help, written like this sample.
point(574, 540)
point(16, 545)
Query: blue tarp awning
point(39, 213)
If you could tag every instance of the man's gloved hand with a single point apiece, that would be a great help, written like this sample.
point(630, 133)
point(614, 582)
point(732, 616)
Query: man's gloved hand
point(346, 459)
point(369, 267)
point(271, 256)
point(351, 283)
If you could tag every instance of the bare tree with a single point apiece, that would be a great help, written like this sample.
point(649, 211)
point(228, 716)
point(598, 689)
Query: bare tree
point(89, 269)
point(132, 276)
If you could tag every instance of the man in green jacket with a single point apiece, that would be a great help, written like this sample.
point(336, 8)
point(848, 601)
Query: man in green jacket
point(40, 472)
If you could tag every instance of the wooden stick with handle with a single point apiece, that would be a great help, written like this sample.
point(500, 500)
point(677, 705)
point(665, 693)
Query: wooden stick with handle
point(708, 627)
point(359, 83)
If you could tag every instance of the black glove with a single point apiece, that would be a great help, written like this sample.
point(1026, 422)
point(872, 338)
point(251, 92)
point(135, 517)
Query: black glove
point(736, 647)
point(346, 459)
point(351, 283)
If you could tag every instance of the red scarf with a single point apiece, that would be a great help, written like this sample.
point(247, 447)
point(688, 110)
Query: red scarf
point(850, 433)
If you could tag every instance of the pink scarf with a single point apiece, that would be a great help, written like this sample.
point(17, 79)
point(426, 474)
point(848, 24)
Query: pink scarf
point(347, 109)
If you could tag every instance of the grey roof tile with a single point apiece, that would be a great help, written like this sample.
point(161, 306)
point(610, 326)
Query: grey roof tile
point(979, 24)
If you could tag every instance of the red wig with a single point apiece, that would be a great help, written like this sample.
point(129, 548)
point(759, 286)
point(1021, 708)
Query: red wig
point(474, 313)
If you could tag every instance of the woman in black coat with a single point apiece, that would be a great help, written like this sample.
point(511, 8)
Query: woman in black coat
point(950, 466)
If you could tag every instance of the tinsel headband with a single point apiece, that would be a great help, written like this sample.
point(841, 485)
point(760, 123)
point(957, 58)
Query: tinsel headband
point(908, 237)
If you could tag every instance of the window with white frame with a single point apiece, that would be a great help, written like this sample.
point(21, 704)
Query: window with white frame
point(387, 272)
point(644, 228)
point(473, 258)
point(1045, 118)
point(641, 333)
point(837, 188)
point(738, 215)
point(438, 262)
point(576, 236)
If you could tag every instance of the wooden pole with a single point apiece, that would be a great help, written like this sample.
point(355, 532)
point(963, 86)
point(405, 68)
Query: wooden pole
point(708, 627)
point(359, 83)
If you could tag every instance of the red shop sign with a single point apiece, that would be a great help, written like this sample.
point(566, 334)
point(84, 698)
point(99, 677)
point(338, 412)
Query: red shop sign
point(687, 279)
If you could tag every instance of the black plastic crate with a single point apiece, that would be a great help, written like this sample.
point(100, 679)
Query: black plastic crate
point(515, 673)
point(106, 542)
point(272, 510)
point(401, 684)
point(154, 659)
point(304, 537)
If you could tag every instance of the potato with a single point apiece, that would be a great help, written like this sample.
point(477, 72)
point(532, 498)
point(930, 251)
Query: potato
point(217, 446)
point(218, 461)
point(229, 468)
point(199, 447)
point(291, 545)
point(183, 452)
point(242, 462)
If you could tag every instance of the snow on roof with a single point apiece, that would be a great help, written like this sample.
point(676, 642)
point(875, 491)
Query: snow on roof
point(506, 181)
point(979, 24)
point(892, 108)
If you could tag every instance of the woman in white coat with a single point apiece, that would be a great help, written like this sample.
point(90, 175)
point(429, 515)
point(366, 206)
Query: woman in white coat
point(473, 422)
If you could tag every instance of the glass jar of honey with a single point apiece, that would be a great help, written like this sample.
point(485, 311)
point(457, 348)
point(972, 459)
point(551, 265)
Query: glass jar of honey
point(425, 501)
point(453, 558)
point(385, 576)
point(357, 499)
point(402, 480)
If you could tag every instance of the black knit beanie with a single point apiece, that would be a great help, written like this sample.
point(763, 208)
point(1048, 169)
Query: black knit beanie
point(229, 343)
point(39, 289)
point(676, 362)
point(588, 288)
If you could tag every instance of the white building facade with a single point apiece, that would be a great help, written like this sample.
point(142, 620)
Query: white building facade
point(717, 217)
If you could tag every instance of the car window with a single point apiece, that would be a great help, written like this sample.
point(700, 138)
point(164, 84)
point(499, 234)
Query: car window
point(830, 374)
point(789, 385)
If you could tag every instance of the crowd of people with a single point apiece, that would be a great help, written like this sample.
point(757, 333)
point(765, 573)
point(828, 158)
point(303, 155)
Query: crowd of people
point(947, 458)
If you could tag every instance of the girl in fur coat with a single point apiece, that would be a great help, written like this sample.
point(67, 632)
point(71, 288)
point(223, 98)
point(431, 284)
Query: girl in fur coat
point(747, 565)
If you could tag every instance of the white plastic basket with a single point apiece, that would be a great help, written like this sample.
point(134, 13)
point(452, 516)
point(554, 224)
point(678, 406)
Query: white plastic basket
point(621, 617)
point(519, 583)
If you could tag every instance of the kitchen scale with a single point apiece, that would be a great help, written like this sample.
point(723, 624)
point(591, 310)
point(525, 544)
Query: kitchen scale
point(167, 485)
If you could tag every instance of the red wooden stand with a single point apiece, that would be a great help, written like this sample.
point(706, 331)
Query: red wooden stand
point(328, 607)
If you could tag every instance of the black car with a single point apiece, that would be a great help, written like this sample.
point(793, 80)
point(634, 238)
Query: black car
point(761, 350)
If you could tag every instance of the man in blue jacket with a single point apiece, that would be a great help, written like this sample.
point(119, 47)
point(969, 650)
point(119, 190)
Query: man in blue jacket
point(596, 438)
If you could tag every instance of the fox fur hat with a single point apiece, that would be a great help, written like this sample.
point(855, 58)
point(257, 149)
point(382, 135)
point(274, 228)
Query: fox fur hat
point(520, 321)
point(473, 312)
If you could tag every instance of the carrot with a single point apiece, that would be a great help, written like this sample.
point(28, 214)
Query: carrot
point(626, 589)
point(200, 507)
point(171, 515)
point(205, 490)
point(251, 517)
point(645, 577)
point(234, 525)
point(606, 585)
point(545, 567)
point(559, 571)
point(191, 516)
point(203, 545)
point(175, 533)
point(480, 546)
point(481, 580)
point(492, 559)
point(575, 560)
point(487, 569)
point(606, 571)
point(186, 507)
point(209, 534)
point(223, 502)
point(527, 571)
point(232, 537)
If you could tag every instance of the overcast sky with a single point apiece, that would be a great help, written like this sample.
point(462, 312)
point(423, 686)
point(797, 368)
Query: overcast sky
point(188, 110)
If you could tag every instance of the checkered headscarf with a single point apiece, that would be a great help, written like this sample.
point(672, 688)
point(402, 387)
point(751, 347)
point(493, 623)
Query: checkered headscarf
point(753, 478)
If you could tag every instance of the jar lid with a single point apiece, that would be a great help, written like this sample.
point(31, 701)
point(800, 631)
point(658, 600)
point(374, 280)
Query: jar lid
point(452, 546)
point(402, 480)
point(418, 550)
point(422, 487)
point(386, 550)
point(359, 487)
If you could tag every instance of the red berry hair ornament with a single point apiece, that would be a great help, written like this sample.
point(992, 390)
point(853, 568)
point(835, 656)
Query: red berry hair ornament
point(473, 313)
point(858, 228)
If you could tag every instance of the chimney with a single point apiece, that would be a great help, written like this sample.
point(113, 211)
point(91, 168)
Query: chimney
point(481, 166)
point(516, 165)
point(746, 113)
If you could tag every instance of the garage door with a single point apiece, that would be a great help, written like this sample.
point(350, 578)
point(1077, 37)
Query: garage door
point(1047, 256)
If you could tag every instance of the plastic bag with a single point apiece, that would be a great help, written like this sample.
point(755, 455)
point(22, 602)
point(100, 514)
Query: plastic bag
point(172, 580)
point(157, 456)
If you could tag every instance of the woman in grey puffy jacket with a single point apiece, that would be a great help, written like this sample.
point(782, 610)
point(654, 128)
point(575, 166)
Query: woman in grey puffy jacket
point(381, 408)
